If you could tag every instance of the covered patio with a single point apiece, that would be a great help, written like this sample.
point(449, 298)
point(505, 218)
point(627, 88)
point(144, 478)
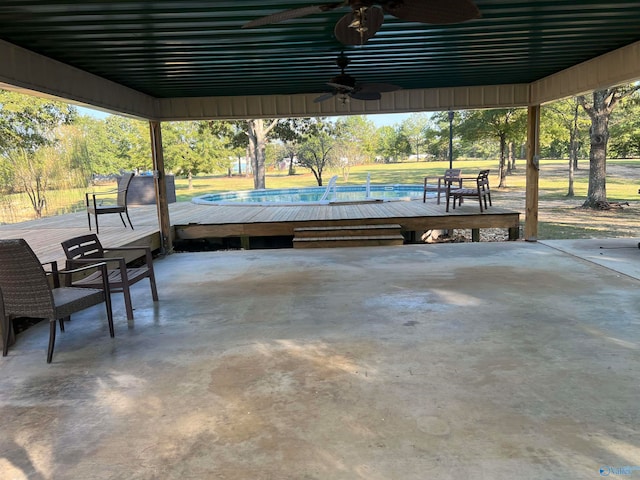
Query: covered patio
point(487, 360)
point(445, 361)
point(153, 61)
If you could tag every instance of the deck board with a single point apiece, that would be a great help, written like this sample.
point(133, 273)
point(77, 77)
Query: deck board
point(45, 235)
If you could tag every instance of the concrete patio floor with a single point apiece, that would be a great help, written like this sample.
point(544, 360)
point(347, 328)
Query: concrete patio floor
point(449, 361)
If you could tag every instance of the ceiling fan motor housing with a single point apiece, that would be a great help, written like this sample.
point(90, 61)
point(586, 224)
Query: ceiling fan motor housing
point(345, 80)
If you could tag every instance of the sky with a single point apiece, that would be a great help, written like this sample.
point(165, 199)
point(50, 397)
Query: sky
point(380, 120)
point(92, 113)
point(388, 119)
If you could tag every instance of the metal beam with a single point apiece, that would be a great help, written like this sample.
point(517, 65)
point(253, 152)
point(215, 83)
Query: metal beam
point(34, 74)
point(401, 101)
point(614, 68)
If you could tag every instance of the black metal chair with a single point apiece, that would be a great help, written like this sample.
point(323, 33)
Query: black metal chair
point(97, 208)
point(87, 249)
point(25, 291)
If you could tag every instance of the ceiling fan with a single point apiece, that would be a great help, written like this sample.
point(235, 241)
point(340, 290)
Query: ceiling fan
point(366, 16)
point(346, 87)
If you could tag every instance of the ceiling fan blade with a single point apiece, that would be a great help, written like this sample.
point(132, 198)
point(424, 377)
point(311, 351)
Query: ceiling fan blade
point(433, 11)
point(355, 29)
point(291, 14)
point(340, 86)
point(324, 97)
point(379, 87)
point(363, 95)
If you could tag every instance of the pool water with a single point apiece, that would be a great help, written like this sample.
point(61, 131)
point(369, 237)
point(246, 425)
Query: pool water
point(313, 195)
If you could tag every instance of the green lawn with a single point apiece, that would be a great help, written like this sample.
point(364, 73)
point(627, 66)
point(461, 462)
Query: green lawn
point(559, 217)
point(553, 183)
point(405, 173)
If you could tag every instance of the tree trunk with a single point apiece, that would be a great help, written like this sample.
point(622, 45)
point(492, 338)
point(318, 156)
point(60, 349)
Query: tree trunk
point(573, 150)
point(503, 163)
point(512, 164)
point(260, 176)
point(190, 180)
point(252, 157)
point(570, 191)
point(599, 136)
point(515, 157)
point(257, 140)
point(318, 175)
point(257, 147)
point(292, 154)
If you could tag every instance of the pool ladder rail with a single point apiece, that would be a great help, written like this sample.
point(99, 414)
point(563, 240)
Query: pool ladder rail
point(330, 186)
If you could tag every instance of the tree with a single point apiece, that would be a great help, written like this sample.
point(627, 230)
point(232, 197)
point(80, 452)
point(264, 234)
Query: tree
point(232, 135)
point(355, 142)
point(360, 132)
point(94, 147)
point(392, 144)
point(414, 129)
point(562, 121)
point(502, 124)
point(438, 136)
point(599, 109)
point(73, 163)
point(27, 122)
point(258, 134)
point(624, 141)
point(189, 149)
point(316, 151)
point(27, 138)
point(129, 143)
point(291, 132)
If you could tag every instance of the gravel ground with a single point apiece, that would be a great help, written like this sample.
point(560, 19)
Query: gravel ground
point(559, 219)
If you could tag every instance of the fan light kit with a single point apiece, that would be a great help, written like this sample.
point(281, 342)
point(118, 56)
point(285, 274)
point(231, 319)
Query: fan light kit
point(346, 87)
point(366, 16)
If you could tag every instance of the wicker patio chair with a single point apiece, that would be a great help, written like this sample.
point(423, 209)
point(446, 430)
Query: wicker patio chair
point(97, 208)
point(87, 249)
point(25, 291)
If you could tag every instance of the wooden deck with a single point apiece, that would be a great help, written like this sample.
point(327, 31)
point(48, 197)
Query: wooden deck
point(191, 221)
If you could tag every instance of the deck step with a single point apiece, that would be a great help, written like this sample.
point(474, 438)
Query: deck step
point(347, 231)
point(348, 236)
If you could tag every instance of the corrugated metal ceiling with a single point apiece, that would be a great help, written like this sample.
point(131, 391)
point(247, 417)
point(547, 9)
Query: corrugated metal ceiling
point(197, 48)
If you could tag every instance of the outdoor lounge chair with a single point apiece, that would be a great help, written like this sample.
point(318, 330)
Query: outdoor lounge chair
point(87, 249)
point(25, 291)
point(451, 176)
point(480, 190)
point(97, 208)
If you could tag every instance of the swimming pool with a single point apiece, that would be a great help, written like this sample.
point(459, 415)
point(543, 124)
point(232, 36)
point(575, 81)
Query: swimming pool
point(313, 195)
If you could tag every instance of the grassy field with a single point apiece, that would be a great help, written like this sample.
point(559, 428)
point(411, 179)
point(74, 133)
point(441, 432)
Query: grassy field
point(559, 216)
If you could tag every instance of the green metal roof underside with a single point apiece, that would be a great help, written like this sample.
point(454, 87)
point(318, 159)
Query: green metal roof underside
point(196, 48)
